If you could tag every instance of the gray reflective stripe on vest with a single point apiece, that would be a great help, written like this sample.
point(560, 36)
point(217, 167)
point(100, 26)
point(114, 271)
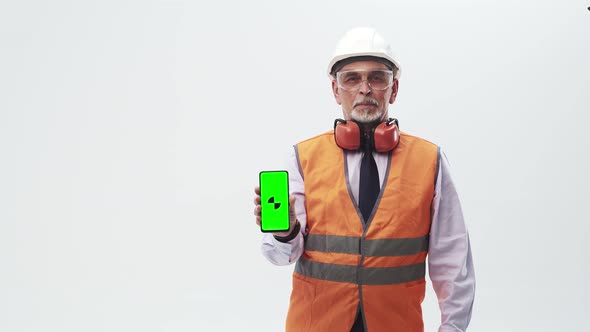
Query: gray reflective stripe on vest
point(369, 276)
point(376, 247)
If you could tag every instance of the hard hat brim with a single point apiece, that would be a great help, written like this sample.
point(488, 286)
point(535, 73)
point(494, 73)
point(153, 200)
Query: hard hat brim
point(341, 57)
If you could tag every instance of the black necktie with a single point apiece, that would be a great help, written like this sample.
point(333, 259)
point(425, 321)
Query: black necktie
point(368, 184)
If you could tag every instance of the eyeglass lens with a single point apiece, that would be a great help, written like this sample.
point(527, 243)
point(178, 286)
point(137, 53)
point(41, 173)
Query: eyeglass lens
point(352, 80)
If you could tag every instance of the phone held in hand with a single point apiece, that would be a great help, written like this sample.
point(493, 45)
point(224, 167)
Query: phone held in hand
point(274, 201)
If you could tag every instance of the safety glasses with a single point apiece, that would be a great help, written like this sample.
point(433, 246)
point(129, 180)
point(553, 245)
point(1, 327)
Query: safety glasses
point(352, 80)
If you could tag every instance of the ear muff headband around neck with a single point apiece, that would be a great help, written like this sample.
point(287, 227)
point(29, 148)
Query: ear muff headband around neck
point(349, 135)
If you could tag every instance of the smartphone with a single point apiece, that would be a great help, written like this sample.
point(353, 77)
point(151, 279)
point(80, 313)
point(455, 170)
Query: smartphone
point(274, 201)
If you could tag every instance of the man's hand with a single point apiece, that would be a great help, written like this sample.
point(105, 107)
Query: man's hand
point(292, 215)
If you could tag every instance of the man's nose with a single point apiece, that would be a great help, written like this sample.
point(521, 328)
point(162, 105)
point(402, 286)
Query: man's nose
point(365, 88)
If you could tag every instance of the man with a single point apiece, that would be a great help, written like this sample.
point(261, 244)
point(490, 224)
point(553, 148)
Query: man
point(367, 205)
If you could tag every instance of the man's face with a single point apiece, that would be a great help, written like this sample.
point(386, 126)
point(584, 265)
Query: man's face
point(365, 105)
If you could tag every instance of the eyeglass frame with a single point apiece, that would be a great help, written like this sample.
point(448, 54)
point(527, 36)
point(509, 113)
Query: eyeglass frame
point(390, 84)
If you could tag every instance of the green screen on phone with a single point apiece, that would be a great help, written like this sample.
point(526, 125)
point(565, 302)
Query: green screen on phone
point(274, 201)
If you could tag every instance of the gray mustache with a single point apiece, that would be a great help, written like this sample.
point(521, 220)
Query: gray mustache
point(369, 101)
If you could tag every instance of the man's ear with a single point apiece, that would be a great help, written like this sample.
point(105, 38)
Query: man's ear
point(394, 90)
point(335, 92)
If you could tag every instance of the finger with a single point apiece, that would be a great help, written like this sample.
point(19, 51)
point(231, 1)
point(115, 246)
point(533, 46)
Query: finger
point(257, 210)
point(257, 190)
point(258, 221)
point(257, 200)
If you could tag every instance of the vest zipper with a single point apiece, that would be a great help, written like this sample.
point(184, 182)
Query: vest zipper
point(359, 275)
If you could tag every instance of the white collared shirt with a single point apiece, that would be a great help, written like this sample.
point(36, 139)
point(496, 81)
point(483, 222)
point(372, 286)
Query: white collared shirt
point(449, 260)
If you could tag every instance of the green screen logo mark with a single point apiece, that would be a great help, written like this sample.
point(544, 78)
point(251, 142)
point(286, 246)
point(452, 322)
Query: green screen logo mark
point(272, 201)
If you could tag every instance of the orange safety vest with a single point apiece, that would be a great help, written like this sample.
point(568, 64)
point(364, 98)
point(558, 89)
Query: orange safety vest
point(380, 266)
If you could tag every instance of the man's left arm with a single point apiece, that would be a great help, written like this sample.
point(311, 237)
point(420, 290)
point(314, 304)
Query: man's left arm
point(450, 263)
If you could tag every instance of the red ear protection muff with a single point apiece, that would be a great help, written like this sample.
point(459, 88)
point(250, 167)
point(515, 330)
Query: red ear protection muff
point(347, 134)
point(383, 138)
point(386, 136)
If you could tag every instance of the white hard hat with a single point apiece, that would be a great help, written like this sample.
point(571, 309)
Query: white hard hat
point(362, 42)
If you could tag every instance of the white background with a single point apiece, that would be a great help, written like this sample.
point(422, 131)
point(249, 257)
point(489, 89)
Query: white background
point(132, 134)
